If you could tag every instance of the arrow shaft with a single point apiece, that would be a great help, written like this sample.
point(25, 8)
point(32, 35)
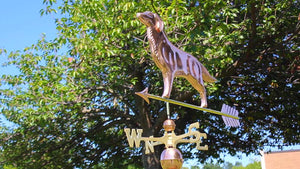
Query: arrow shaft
point(188, 105)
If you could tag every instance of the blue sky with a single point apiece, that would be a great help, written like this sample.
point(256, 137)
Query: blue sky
point(21, 25)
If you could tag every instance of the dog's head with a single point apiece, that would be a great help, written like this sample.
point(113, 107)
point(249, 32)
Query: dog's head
point(151, 20)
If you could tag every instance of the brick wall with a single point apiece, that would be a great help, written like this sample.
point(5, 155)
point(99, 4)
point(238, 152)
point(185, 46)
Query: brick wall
point(281, 160)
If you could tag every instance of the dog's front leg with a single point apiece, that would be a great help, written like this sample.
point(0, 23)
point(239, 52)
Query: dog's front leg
point(168, 82)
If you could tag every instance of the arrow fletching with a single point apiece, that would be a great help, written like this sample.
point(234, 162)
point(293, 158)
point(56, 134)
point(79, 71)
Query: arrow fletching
point(232, 112)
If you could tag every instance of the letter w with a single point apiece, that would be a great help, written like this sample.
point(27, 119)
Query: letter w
point(133, 137)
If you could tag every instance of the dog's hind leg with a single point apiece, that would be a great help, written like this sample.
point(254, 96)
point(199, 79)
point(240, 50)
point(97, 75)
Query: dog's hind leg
point(199, 86)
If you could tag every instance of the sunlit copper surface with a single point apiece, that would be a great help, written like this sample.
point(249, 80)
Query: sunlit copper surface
point(172, 61)
point(169, 125)
point(171, 158)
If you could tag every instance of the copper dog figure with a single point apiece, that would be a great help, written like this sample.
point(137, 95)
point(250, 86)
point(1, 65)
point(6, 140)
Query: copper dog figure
point(172, 61)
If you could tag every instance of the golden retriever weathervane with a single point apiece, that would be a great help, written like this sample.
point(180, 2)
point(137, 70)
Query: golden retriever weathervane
point(174, 62)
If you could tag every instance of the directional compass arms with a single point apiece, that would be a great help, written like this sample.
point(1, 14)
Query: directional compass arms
point(170, 139)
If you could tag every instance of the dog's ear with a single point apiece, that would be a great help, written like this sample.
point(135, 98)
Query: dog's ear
point(159, 24)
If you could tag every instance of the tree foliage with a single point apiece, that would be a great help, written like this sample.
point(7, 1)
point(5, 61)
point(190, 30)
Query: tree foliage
point(70, 107)
point(255, 165)
point(211, 166)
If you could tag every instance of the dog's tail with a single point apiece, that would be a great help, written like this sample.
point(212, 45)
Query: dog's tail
point(206, 76)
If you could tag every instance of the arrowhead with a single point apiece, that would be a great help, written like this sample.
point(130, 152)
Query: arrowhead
point(144, 94)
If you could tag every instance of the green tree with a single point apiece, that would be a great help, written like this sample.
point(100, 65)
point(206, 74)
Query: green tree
point(212, 166)
point(195, 167)
point(255, 165)
point(70, 108)
point(228, 165)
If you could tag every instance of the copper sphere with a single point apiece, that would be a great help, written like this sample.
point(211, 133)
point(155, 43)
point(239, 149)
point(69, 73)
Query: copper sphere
point(169, 125)
point(171, 158)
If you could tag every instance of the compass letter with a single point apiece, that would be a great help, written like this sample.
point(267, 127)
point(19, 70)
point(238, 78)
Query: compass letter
point(134, 138)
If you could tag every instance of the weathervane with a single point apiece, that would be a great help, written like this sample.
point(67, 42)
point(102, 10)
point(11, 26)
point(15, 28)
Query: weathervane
point(170, 157)
point(174, 62)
